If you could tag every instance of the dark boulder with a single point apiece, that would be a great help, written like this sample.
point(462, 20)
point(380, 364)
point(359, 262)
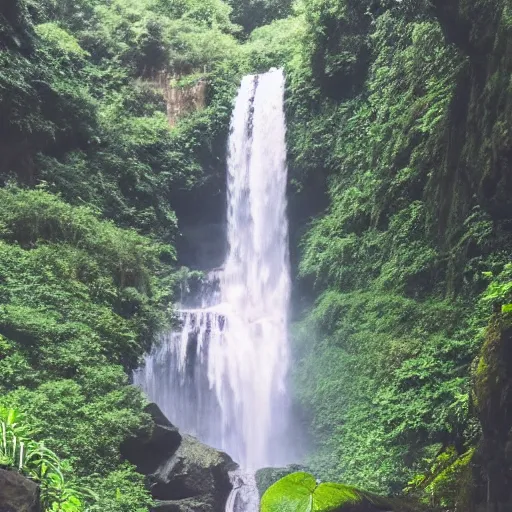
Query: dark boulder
point(149, 451)
point(195, 471)
point(17, 493)
point(183, 474)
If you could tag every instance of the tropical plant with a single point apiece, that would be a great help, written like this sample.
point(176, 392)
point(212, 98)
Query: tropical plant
point(499, 291)
point(18, 451)
point(13, 449)
point(301, 492)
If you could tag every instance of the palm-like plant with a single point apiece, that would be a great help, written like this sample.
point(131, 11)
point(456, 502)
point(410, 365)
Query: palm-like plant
point(13, 441)
point(19, 452)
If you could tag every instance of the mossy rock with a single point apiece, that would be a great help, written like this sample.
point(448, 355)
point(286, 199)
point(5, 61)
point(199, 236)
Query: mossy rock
point(150, 449)
point(493, 377)
point(196, 504)
point(449, 482)
point(184, 475)
point(492, 395)
point(17, 493)
point(194, 470)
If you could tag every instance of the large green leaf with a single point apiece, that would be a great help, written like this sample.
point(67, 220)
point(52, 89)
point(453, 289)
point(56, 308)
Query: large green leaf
point(299, 492)
point(329, 496)
point(293, 493)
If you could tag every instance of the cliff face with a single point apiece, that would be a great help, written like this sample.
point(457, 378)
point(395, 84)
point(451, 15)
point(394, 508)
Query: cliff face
point(181, 99)
point(417, 156)
point(478, 158)
point(477, 175)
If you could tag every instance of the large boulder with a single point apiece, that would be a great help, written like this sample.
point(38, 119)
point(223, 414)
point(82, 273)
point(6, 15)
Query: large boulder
point(195, 471)
point(17, 493)
point(183, 474)
point(149, 451)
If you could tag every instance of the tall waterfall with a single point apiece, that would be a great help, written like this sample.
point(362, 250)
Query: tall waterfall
point(222, 375)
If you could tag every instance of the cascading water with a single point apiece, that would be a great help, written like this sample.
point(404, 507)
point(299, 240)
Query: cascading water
point(222, 376)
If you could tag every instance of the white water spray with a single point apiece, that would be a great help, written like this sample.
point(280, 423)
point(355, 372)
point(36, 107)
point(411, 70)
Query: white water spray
point(222, 376)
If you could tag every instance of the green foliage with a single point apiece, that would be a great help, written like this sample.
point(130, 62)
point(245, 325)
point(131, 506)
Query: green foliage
point(59, 38)
point(86, 113)
point(392, 268)
point(445, 481)
point(152, 35)
point(336, 44)
point(81, 301)
point(301, 492)
point(370, 379)
point(251, 14)
point(122, 490)
point(19, 452)
point(274, 44)
point(12, 448)
point(499, 290)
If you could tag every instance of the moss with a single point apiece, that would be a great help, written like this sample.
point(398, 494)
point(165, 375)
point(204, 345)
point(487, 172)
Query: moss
point(489, 375)
point(481, 376)
point(446, 488)
point(492, 392)
point(447, 482)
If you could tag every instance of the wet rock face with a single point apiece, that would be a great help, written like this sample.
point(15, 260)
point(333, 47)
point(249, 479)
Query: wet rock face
point(180, 99)
point(184, 475)
point(17, 493)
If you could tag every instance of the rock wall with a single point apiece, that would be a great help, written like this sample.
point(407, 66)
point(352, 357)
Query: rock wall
point(180, 99)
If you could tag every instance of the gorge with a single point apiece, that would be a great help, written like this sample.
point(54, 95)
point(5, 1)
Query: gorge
point(287, 222)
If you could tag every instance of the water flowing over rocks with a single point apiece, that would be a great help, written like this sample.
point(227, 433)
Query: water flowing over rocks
point(221, 375)
point(244, 497)
point(183, 474)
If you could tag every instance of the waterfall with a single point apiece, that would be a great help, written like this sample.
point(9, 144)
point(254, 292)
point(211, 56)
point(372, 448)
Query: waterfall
point(222, 375)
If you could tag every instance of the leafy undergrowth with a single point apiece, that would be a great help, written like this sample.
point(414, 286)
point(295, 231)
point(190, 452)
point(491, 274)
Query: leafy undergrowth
point(81, 302)
point(19, 452)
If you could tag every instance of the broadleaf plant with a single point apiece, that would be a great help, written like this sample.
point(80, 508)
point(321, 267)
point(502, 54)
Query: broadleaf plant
point(300, 492)
point(21, 453)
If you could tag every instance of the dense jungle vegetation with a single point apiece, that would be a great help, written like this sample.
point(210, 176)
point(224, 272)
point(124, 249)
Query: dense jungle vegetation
point(400, 152)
